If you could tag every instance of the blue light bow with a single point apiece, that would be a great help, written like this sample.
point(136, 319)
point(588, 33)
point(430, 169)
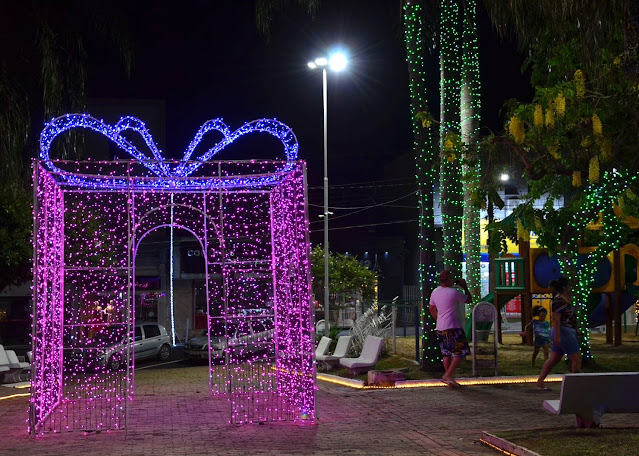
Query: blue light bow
point(166, 175)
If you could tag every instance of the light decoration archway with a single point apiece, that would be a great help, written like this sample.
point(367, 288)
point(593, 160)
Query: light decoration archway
point(89, 217)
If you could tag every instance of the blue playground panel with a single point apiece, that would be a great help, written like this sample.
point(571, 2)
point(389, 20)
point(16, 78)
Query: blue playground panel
point(546, 268)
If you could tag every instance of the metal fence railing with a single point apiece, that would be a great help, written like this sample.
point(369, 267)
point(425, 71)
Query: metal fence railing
point(406, 314)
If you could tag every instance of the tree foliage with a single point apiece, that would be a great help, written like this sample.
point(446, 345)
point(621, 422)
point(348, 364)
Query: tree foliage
point(15, 236)
point(347, 276)
point(559, 35)
point(43, 73)
point(266, 10)
point(572, 133)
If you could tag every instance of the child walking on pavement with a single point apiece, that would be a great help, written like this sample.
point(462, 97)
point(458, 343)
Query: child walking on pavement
point(541, 331)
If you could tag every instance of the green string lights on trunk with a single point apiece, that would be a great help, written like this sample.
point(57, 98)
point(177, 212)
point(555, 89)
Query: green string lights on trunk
point(470, 122)
point(450, 185)
point(425, 175)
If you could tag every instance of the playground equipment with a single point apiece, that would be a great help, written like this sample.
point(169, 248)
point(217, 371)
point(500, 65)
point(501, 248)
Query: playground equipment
point(615, 287)
point(510, 281)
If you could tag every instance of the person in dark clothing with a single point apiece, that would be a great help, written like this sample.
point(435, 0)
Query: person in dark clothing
point(564, 331)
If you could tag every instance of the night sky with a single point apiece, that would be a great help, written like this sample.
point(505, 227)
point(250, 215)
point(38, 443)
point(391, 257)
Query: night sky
point(206, 59)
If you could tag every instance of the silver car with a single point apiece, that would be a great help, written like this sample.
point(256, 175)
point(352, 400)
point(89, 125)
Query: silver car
point(150, 340)
point(246, 338)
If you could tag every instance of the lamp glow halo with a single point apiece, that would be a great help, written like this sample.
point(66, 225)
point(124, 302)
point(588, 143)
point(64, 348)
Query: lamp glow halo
point(165, 174)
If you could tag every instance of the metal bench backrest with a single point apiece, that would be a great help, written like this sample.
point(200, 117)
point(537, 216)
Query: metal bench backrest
point(613, 392)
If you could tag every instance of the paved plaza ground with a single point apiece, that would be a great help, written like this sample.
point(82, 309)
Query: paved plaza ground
point(173, 415)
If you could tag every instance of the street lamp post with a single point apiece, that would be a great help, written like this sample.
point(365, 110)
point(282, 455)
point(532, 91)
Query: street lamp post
point(337, 62)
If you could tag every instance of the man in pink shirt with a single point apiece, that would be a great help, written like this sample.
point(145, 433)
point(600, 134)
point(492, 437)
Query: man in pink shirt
point(447, 308)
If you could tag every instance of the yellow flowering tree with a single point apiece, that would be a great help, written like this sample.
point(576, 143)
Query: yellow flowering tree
point(578, 144)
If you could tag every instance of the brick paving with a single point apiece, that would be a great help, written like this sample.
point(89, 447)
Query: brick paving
point(173, 415)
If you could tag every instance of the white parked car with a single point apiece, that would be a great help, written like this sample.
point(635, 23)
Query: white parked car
point(150, 340)
point(247, 338)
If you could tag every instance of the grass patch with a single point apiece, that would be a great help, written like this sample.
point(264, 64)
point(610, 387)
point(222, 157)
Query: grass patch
point(515, 359)
point(576, 442)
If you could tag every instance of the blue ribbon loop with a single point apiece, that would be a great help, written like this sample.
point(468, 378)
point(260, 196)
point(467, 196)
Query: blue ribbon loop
point(167, 175)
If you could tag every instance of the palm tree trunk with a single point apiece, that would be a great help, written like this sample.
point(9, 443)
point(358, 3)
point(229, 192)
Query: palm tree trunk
point(470, 118)
point(450, 185)
point(424, 159)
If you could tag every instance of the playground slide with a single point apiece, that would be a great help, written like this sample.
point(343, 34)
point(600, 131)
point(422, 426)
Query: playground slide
point(597, 316)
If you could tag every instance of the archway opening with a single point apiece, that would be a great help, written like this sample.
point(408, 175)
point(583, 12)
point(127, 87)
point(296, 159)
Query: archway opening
point(170, 287)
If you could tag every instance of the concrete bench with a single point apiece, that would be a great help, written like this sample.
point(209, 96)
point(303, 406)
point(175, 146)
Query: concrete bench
point(18, 362)
point(11, 371)
point(367, 360)
point(343, 345)
point(589, 396)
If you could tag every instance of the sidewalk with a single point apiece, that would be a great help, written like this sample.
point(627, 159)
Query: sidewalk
point(178, 418)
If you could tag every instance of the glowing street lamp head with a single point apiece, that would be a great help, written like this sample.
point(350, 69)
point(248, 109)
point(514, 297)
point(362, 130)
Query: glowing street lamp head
point(338, 62)
point(504, 177)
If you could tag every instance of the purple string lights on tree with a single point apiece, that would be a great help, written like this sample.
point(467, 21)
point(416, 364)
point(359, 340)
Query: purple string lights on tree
point(249, 219)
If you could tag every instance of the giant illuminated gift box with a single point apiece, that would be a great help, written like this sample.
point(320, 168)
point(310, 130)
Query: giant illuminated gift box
point(250, 218)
